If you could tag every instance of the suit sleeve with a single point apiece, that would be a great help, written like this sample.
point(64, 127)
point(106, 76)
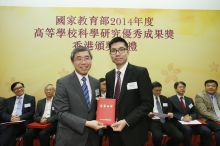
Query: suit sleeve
point(29, 114)
point(146, 99)
point(2, 103)
point(177, 115)
point(202, 109)
point(193, 111)
point(61, 105)
point(37, 116)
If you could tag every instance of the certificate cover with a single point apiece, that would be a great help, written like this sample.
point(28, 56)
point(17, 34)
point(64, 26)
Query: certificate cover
point(106, 111)
point(12, 123)
point(38, 125)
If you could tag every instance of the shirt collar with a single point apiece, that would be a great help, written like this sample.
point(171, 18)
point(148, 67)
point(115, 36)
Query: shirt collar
point(22, 96)
point(80, 77)
point(180, 96)
point(122, 70)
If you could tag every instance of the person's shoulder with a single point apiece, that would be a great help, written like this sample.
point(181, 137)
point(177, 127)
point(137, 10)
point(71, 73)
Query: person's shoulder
point(42, 100)
point(110, 72)
point(66, 77)
point(162, 96)
point(172, 97)
point(29, 96)
point(92, 78)
point(2, 98)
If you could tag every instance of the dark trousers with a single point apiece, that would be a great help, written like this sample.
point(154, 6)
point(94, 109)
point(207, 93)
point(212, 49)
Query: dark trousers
point(204, 131)
point(42, 134)
point(216, 129)
point(157, 128)
point(10, 133)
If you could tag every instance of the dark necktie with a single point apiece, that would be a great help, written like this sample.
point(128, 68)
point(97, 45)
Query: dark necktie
point(182, 104)
point(117, 93)
point(85, 91)
point(160, 110)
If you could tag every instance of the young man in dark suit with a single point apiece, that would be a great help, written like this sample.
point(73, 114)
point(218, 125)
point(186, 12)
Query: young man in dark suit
point(159, 124)
point(17, 108)
point(184, 109)
point(131, 86)
point(75, 103)
point(45, 113)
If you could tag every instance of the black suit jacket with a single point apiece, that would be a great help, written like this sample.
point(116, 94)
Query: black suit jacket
point(165, 105)
point(2, 103)
point(40, 111)
point(27, 112)
point(177, 110)
point(134, 105)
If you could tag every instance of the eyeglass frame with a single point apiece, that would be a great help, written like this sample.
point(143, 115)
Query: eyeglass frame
point(18, 88)
point(118, 50)
point(81, 59)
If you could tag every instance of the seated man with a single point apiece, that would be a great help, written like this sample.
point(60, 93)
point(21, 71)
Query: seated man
point(19, 107)
point(45, 113)
point(184, 109)
point(207, 103)
point(159, 125)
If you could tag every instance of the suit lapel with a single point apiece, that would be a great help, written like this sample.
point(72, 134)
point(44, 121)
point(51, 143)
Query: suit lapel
point(111, 83)
point(161, 103)
point(178, 103)
point(127, 75)
point(93, 99)
point(77, 86)
point(24, 102)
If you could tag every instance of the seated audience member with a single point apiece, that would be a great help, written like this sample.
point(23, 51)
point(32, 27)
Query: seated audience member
point(45, 113)
point(184, 109)
point(207, 103)
point(159, 125)
point(103, 95)
point(17, 108)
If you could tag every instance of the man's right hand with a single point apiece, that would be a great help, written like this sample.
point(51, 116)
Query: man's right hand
point(151, 115)
point(95, 125)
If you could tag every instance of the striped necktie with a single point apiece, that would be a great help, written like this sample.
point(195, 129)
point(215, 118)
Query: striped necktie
point(86, 91)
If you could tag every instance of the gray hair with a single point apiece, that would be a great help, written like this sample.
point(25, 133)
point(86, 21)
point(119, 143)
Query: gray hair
point(49, 85)
point(80, 49)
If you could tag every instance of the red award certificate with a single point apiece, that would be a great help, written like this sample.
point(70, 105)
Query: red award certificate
point(106, 111)
point(38, 125)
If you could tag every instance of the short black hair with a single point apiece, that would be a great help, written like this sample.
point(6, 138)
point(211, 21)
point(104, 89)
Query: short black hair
point(156, 84)
point(102, 80)
point(79, 49)
point(14, 84)
point(180, 82)
point(211, 81)
point(117, 39)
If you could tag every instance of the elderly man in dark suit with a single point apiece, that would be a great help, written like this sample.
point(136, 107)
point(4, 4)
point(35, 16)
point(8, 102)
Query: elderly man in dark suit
point(159, 125)
point(17, 108)
point(45, 113)
point(208, 106)
point(131, 86)
point(184, 110)
point(75, 103)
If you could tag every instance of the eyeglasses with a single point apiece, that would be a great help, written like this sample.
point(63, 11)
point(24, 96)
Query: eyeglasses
point(157, 90)
point(181, 87)
point(103, 84)
point(80, 59)
point(120, 51)
point(18, 88)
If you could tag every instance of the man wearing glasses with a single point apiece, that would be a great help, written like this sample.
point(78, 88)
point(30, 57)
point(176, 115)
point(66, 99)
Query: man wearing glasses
point(131, 86)
point(75, 103)
point(183, 109)
point(17, 108)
